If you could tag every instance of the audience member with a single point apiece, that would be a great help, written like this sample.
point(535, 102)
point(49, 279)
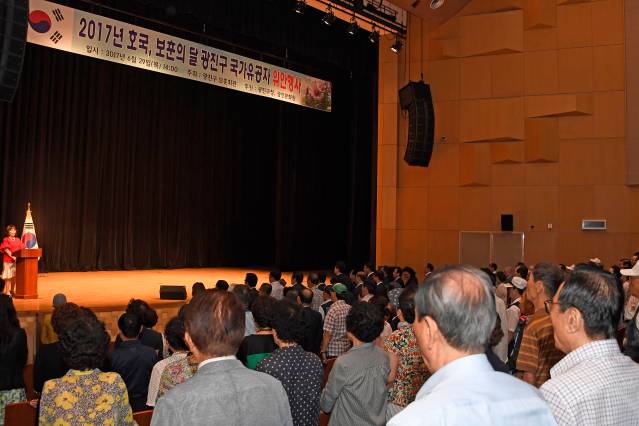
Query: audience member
point(632, 302)
point(327, 299)
point(297, 281)
point(384, 307)
point(148, 318)
point(260, 344)
point(312, 282)
point(47, 333)
point(266, 289)
point(366, 291)
point(321, 276)
point(355, 393)
point(274, 278)
point(299, 371)
point(312, 323)
point(537, 354)
point(197, 288)
point(368, 269)
point(339, 276)
point(495, 338)
point(516, 289)
point(455, 316)
point(428, 269)
point(594, 384)
point(335, 341)
point(13, 355)
point(177, 372)
point(493, 267)
point(250, 280)
point(407, 369)
point(222, 391)
point(174, 335)
point(244, 295)
point(85, 395)
point(222, 285)
point(48, 363)
point(133, 361)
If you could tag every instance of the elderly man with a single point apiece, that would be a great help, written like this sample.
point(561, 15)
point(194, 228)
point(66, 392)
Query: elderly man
point(455, 316)
point(222, 391)
point(595, 383)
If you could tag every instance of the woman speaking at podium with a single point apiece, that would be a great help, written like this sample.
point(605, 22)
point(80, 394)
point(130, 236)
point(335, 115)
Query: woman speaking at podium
point(10, 245)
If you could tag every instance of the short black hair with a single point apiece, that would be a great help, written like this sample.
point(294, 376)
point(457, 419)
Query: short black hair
point(407, 305)
point(490, 274)
point(430, 267)
point(321, 276)
point(266, 288)
point(221, 285)
point(329, 289)
point(365, 322)
point(174, 334)
point(129, 325)
point(197, 288)
point(369, 286)
point(341, 266)
point(275, 275)
point(147, 315)
point(598, 296)
point(313, 278)
point(251, 279)
point(287, 322)
point(298, 277)
point(84, 343)
point(550, 275)
point(501, 276)
point(306, 296)
point(369, 265)
point(522, 270)
point(262, 310)
point(493, 265)
point(291, 294)
point(243, 293)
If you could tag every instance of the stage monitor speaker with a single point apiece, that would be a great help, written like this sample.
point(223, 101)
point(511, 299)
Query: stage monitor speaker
point(13, 37)
point(172, 292)
point(507, 222)
point(416, 98)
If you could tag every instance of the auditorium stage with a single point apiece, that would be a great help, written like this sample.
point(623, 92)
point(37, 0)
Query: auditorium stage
point(111, 290)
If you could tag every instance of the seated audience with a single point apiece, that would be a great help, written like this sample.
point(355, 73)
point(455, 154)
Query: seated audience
point(85, 395)
point(222, 285)
point(244, 294)
point(197, 288)
point(335, 341)
point(355, 393)
point(312, 323)
point(299, 371)
point(13, 355)
point(407, 369)
point(148, 318)
point(594, 384)
point(48, 363)
point(133, 361)
point(455, 316)
point(174, 335)
point(47, 333)
point(177, 372)
point(537, 354)
point(222, 391)
point(259, 345)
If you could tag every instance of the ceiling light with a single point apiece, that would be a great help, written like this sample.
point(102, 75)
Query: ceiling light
point(300, 5)
point(329, 17)
point(397, 46)
point(352, 27)
point(373, 37)
point(436, 4)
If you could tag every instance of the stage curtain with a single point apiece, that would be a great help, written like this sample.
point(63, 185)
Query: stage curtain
point(129, 169)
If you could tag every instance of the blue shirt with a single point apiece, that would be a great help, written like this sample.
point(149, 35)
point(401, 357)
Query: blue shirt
point(469, 392)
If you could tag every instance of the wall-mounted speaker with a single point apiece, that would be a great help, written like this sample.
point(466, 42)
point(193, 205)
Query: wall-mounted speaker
point(507, 222)
point(416, 98)
point(13, 38)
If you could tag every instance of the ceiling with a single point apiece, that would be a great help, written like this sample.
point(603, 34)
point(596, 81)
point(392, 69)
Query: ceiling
point(436, 17)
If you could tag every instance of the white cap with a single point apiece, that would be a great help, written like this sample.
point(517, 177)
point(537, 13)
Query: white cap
point(634, 272)
point(519, 283)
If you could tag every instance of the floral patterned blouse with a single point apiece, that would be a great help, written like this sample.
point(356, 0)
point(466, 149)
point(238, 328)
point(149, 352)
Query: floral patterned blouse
point(411, 370)
point(85, 397)
point(177, 372)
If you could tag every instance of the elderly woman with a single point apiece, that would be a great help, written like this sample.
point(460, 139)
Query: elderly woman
point(13, 356)
point(85, 394)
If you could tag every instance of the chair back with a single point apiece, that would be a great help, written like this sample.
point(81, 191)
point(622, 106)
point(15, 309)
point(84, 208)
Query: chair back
point(143, 418)
point(20, 414)
point(327, 370)
point(324, 418)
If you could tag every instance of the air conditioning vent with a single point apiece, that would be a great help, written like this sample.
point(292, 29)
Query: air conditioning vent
point(593, 225)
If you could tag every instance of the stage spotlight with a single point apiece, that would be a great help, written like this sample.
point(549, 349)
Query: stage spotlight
point(397, 46)
point(373, 37)
point(300, 5)
point(436, 4)
point(352, 27)
point(329, 17)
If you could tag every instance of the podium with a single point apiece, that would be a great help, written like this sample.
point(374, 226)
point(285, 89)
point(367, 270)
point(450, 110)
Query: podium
point(27, 273)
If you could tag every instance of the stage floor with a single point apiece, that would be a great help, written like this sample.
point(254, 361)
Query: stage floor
point(112, 290)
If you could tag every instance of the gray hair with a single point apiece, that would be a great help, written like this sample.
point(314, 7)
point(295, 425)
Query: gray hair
point(461, 301)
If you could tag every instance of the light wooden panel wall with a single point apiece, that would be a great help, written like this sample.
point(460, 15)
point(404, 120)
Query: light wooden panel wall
point(530, 96)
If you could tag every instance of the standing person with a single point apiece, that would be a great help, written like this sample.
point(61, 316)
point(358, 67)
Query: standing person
point(10, 245)
point(13, 356)
point(335, 341)
point(260, 344)
point(454, 318)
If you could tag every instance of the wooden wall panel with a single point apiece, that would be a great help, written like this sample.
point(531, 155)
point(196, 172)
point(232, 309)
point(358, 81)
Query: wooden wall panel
point(575, 70)
point(474, 167)
point(542, 140)
point(491, 120)
point(491, 33)
point(574, 25)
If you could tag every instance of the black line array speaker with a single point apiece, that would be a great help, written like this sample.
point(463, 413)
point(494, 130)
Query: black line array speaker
point(172, 292)
point(416, 98)
point(13, 38)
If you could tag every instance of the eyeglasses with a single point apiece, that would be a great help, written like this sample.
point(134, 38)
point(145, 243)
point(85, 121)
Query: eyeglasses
point(548, 305)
